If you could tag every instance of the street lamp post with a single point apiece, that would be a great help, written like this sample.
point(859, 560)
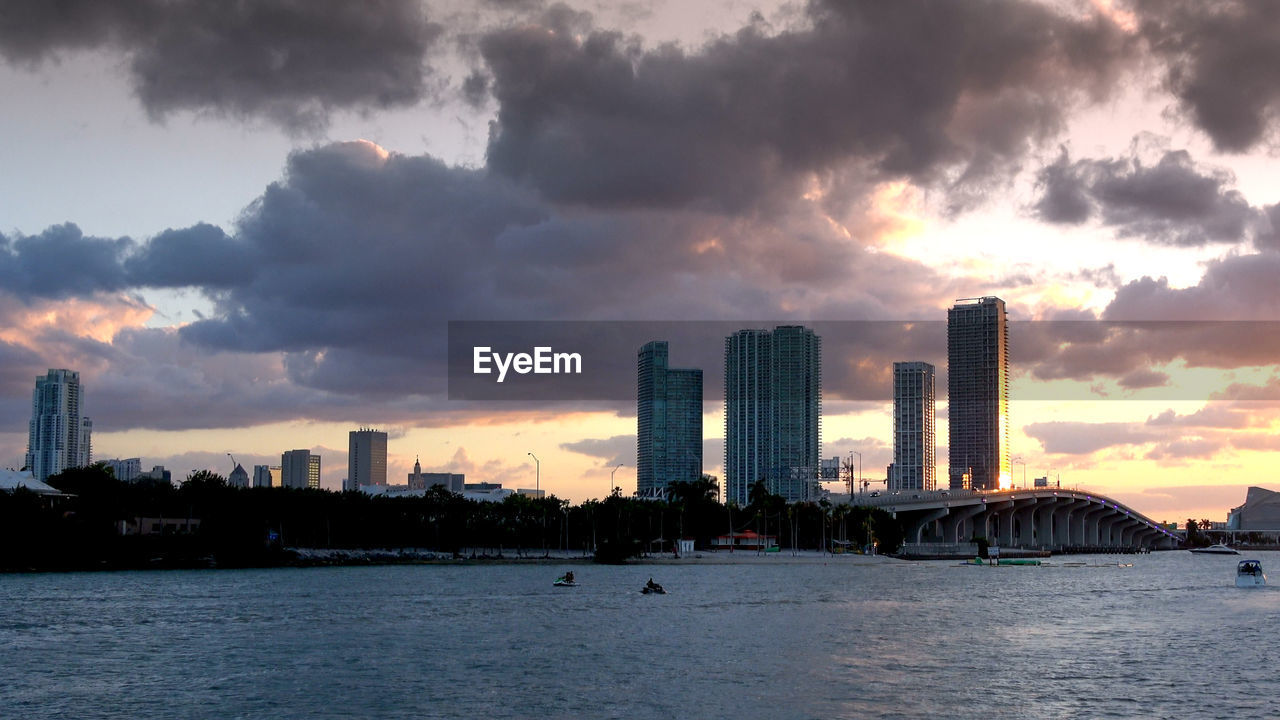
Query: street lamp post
point(537, 475)
point(1016, 461)
point(611, 485)
point(537, 492)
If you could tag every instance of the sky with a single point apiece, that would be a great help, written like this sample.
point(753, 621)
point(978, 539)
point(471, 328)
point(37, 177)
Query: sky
point(248, 225)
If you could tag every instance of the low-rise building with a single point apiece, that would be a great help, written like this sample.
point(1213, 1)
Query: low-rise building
point(1259, 513)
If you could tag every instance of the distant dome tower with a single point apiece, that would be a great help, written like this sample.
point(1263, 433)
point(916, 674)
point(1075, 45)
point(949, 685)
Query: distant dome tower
point(415, 480)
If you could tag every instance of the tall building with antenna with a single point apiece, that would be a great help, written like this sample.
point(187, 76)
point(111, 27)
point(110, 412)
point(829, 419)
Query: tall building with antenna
point(366, 458)
point(978, 394)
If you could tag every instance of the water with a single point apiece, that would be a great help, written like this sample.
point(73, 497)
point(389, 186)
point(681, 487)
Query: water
point(1169, 637)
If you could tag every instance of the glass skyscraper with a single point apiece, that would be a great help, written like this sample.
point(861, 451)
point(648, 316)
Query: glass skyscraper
point(914, 438)
point(773, 412)
point(978, 394)
point(668, 422)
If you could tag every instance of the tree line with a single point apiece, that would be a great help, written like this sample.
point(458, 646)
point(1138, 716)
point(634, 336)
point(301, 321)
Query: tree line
point(243, 527)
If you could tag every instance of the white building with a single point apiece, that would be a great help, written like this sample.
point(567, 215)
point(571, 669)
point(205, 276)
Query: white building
point(125, 470)
point(58, 437)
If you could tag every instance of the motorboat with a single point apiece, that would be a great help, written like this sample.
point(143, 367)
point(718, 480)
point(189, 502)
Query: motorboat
point(1249, 574)
point(1218, 549)
point(566, 580)
point(653, 588)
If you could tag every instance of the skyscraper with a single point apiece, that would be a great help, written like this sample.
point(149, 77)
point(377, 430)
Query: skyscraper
point(58, 437)
point(978, 394)
point(239, 477)
point(668, 422)
point(262, 476)
point(914, 440)
point(300, 469)
point(366, 458)
point(773, 412)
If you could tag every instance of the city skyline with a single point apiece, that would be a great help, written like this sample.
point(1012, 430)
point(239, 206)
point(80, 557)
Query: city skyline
point(249, 242)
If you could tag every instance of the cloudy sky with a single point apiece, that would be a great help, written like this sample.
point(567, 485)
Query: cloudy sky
point(249, 224)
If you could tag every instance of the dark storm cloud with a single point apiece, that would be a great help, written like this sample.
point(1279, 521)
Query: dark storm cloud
point(1171, 202)
point(19, 366)
point(904, 89)
point(1223, 64)
point(1269, 237)
point(62, 262)
point(289, 61)
point(1143, 378)
point(362, 259)
point(1229, 319)
point(1236, 287)
point(198, 256)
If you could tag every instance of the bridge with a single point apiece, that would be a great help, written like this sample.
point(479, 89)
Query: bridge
point(1050, 518)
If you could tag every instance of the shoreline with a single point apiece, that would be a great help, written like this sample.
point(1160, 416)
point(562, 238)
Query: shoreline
point(323, 557)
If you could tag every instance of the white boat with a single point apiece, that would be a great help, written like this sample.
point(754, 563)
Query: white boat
point(1218, 549)
point(1249, 574)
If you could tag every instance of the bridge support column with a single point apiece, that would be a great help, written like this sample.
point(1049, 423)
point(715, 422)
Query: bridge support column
point(1089, 524)
point(916, 526)
point(1024, 515)
point(1129, 537)
point(1063, 517)
point(997, 514)
point(1145, 537)
point(953, 523)
point(1106, 528)
point(1042, 532)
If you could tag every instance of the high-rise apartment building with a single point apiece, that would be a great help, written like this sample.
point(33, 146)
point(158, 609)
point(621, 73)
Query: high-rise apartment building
point(914, 438)
point(773, 412)
point(978, 394)
point(58, 437)
point(747, 355)
point(300, 469)
point(668, 422)
point(367, 458)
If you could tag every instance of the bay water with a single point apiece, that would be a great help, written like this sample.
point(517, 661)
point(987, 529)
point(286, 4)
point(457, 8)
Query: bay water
point(776, 637)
